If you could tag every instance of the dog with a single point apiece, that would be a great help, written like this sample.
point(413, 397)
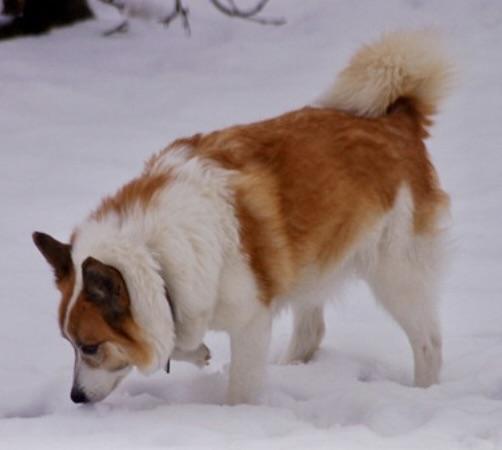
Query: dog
point(223, 230)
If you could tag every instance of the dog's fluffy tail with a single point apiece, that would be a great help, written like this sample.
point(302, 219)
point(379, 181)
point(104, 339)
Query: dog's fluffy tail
point(401, 65)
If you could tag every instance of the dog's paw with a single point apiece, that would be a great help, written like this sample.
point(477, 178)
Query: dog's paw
point(286, 361)
point(202, 356)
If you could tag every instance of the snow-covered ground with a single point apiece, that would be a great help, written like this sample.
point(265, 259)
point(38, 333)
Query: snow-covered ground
point(78, 115)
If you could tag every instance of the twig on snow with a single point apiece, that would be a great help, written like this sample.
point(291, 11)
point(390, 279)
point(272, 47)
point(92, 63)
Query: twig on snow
point(247, 14)
point(179, 10)
point(230, 9)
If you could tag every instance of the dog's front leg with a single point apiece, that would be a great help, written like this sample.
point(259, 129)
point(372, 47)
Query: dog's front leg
point(249, 348)
point(191, 329)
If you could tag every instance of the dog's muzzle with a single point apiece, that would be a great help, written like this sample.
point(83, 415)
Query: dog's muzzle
point(78, 395)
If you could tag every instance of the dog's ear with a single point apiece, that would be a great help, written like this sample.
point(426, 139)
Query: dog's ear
point(105, 287)
point(57, 254)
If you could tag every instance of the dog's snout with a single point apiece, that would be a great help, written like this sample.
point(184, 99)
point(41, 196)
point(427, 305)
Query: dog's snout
point(78, 396)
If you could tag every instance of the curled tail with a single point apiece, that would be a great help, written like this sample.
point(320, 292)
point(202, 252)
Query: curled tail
point(400, 65)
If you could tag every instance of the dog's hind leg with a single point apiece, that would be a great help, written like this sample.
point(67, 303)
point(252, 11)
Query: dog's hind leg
point(405, 285)
point(308, 332)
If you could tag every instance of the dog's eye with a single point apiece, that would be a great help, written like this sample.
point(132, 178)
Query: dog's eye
point(89, 349)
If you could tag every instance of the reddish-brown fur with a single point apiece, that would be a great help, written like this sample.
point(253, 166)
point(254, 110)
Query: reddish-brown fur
point(87, 325)
point(138, 192)
point(65, 286)
point(311, 181)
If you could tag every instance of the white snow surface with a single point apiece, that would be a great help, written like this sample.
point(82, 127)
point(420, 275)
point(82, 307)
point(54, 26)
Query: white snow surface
point(78, 115)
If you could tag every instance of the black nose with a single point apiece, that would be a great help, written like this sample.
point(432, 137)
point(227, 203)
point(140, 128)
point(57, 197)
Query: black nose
point(78, 396)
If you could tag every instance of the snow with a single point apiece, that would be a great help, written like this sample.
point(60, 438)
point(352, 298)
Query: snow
point(78, 115)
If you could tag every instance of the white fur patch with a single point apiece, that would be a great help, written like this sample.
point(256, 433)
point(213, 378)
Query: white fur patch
point(96, 383)
point(117, 246)
point(181, 240)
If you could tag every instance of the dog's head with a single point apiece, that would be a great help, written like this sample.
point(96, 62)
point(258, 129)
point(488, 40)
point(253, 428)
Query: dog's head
point(97, 317)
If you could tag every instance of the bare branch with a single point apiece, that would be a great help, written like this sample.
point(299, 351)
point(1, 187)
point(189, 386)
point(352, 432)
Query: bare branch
point(179, 10)
point(233, 11)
